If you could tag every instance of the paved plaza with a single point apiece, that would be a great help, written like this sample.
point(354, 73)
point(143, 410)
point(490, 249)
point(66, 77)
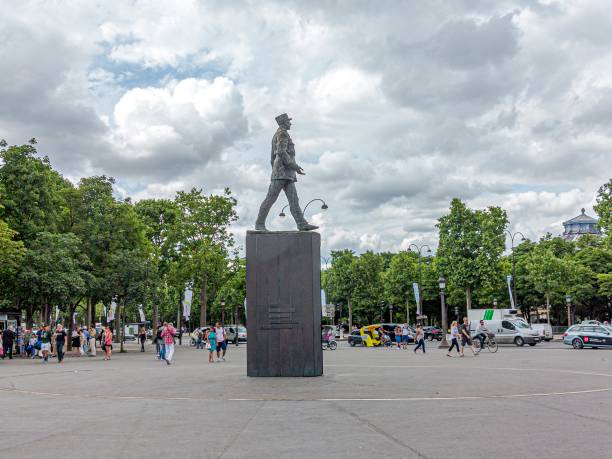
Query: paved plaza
point(547, 401)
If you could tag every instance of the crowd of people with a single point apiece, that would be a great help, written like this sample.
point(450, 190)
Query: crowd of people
point(46, 342)
point(214, 340)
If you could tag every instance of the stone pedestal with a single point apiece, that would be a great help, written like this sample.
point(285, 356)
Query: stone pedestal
point(283, 282)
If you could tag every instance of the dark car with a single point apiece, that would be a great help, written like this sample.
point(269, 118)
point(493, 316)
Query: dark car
point(355, 339)
point(432, 333)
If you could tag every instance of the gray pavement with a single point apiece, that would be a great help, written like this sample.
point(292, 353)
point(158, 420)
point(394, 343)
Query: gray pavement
point(547, 401)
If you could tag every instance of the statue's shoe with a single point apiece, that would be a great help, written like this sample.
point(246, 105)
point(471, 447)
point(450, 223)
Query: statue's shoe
point(307, 227)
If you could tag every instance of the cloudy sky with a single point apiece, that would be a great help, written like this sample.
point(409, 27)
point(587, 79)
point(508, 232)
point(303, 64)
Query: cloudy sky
point(398, 106)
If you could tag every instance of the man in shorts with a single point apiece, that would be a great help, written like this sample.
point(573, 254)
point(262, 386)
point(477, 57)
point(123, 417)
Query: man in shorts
point(45, 343)
point(221, 342)
point(405, 335)
point(464, 330)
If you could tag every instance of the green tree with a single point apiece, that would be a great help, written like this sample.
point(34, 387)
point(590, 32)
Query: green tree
point(603, 207)
point(338, 281)
point(202, 240)
point(32, 200)
point(470, 248)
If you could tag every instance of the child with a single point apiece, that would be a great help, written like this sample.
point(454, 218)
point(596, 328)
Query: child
point(454, 336)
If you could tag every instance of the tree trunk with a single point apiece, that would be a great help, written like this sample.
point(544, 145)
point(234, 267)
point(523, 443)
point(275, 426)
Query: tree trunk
point(29, 316)
point(350, 308)
point(468, 297)
point(155, 313)
point(117, 324)
point(203, 300)
point(90, 322)
point(121, 326)
point(547, 309)
point(70, 327)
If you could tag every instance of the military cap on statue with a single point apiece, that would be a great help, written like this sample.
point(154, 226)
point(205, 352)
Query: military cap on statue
point(282, 118)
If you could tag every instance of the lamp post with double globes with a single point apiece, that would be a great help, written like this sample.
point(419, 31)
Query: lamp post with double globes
point(323, 207)
point(442, 285)
point(419, 251)
point(512, 236)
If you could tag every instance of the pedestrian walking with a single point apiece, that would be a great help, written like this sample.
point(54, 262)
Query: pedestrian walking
point(168, 335)
point(211, 344)
point(8, 340)
point(142, 335)
point(221, 341)
point(454, 336)
point(108, 343)
point(75, 342)
point(60, 340)
point(398, 337)
point(405, 335)
point(419, 338)
point(45, 343)
point(466, 338)
point(92, 341)
point(199, 336)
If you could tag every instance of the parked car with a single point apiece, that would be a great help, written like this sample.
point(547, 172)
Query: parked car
point(433, 332)
point(234, 333)
point(356, 339)
point(580, 336)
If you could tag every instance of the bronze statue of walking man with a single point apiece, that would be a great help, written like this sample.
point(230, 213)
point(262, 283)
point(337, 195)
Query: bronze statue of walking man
point(284, 170)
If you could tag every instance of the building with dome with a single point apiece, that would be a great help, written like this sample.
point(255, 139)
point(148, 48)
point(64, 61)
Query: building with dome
point(579, 226)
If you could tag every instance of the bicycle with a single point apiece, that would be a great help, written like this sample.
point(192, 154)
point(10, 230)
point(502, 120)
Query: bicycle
point(331, 345)
point(489, 343)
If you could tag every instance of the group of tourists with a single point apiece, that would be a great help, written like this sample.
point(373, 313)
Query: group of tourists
point(214, 340)
point(46, 342)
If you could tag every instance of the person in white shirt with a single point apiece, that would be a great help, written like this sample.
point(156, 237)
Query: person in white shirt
point(221, 342)
point(405, 336)
point(454, 336)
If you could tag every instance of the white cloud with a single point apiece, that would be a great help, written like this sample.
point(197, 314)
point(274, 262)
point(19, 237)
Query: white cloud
point(396, 109)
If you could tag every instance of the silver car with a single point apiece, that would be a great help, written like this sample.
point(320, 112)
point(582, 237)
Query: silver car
point(580, 336)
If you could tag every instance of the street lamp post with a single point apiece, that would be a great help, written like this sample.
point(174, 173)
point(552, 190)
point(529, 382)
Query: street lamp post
point(390, 313)
point(512, 236)
point(323, 207)
point(568, 301)
point(419, 252)
point(442, 285)
point(222, 312)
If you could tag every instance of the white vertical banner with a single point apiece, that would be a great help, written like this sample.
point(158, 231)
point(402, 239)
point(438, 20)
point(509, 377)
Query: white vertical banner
point(509, 280)
point(323, 300)
point(141, 312)
point(113, 307)
point(245, 308)
point(56, 313)
point(417, 297)
point(188, 296)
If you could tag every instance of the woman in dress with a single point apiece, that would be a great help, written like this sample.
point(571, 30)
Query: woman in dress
point(92, 341)
point(211, 344)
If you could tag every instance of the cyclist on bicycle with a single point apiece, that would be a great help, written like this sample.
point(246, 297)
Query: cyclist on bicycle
point(482, 332)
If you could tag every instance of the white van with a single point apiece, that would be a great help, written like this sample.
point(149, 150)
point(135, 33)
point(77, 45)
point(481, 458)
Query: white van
point(509, 331)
